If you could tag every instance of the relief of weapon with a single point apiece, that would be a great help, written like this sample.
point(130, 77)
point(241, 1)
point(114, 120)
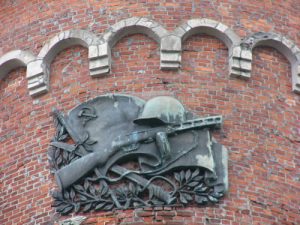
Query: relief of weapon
point(130, 141)
point(71, 173)
point(78, 139)
point(62, 177)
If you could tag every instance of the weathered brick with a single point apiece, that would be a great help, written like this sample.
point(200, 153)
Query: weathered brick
point(261, 115)
point(185, 213)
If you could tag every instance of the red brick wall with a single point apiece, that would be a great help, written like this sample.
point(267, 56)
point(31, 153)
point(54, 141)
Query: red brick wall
point(262, 120)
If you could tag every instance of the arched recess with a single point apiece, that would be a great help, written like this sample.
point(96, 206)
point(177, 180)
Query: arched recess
point(38, 70)
point(13, 60)
point(134, 25)
point(209, 27)
point(280, 43)
point(126, 27)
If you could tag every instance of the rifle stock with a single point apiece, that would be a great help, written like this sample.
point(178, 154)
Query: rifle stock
point(68, 175)
point(71, 173)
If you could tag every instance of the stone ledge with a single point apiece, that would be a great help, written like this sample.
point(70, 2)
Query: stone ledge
point(240, 62)
point(38, 77)
point(100, 60)
point(170, 52)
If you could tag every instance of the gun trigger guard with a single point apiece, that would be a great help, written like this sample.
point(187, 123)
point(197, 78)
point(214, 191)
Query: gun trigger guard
point(148, 141)
point(131, 148)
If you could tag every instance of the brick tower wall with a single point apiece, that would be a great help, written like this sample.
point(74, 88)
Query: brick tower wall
point(261, 112)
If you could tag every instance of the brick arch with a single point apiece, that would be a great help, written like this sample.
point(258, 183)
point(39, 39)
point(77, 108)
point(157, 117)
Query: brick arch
point(13, 60)
point(243, 54)
point(40, 68)
point(209, 27)
point(66, 39)
point(133, 25)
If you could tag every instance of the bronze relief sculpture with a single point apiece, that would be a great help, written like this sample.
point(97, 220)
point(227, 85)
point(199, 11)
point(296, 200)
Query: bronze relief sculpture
point(117, 151)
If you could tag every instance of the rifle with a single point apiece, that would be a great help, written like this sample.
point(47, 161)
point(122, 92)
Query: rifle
point(156, 190)
point(130, 141)
point(71, 173)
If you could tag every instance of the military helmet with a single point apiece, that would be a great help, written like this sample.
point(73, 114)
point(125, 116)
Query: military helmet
point(161, 110)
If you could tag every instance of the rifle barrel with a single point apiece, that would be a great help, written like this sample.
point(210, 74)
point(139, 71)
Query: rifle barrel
point(214, 121)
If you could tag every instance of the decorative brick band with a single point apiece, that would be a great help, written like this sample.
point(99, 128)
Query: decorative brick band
point(240, 52)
